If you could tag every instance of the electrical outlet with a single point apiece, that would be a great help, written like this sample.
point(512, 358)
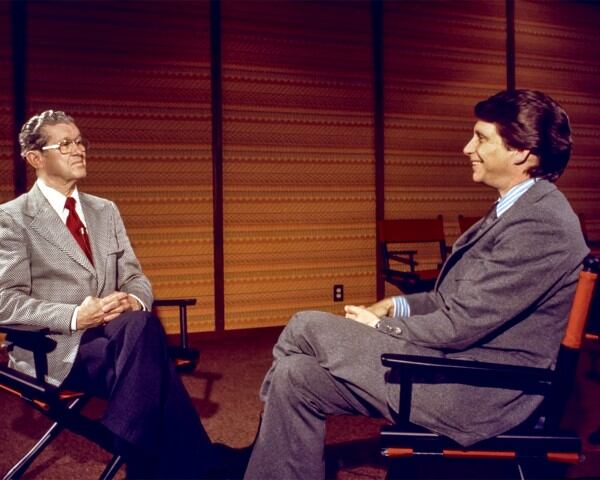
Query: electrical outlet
point(338, 293)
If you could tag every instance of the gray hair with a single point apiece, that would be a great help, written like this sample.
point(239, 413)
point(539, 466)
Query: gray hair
point(32, 137)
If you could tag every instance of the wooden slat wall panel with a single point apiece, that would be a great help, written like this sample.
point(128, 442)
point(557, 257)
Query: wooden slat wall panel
point(6, 109)
point(440, 58)
point(136, 77)
point(298, 166)
point(557, 51)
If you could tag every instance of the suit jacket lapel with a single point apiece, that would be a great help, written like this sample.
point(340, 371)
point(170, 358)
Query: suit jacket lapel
point(97, 226)
point(48, 224)
point(473, 234)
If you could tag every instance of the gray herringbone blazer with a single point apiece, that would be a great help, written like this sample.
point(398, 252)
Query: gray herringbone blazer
point(44, 274)
point(502, 296)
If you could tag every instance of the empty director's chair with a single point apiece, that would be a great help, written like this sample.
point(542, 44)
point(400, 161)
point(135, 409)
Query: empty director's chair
point(63, 406)
point(464, 222)
point(537, 442)
point(401, 266)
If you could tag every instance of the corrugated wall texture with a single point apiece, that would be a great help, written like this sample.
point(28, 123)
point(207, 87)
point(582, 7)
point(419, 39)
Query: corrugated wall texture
point(298, 158)
point(440, 59)
point(6, 110)
point(557, 52)
point(298, 129)
point(135, 75)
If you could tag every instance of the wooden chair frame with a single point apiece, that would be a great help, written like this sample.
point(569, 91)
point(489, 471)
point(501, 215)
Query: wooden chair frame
point(392, 233)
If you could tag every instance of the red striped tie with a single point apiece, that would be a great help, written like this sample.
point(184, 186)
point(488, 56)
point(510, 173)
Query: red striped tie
point(77, 229)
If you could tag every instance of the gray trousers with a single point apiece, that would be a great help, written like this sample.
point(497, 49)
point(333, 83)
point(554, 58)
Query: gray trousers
point(323, 365)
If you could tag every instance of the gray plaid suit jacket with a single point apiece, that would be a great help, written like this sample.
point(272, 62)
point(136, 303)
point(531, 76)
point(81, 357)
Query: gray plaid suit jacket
point(44, 274)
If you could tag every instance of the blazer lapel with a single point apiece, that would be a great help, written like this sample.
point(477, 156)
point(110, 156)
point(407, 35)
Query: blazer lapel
point(473, 234)
point(97, 225)
point(540, 189)
point(48, 224)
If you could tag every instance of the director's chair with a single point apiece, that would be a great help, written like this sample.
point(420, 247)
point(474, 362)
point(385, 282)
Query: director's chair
point(401, 260)
point(536, 442)
point(62, 406)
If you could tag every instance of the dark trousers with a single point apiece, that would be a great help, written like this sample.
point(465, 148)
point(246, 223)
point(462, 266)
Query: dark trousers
point(148, 408)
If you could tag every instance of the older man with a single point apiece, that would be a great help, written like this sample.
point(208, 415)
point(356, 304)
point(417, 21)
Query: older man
point(66, 263)
point(502, 296)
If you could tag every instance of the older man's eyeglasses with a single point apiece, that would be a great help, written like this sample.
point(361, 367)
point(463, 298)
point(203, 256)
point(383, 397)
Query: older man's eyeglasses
point(66, 145)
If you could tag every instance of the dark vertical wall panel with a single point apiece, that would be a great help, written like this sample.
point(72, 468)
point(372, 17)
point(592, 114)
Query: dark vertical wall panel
point(135, 75)
point(557, 51)
point(378, 131)
point(440, 59)
point(6, 105)
point(298, 157)
point(216, 75)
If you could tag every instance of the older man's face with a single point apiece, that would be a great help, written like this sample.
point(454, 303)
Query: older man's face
point(57, 168)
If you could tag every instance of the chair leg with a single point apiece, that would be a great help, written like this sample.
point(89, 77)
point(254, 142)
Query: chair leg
point(22, 465)
point(112, 467)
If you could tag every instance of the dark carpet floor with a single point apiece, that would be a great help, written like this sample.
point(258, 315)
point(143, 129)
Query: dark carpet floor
point(224, 388)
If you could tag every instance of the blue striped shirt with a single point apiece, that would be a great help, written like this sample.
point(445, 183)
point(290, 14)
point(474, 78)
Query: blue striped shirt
point(401, 306)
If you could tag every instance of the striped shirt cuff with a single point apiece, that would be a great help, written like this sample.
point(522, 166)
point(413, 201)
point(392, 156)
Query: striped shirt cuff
point(401, 307)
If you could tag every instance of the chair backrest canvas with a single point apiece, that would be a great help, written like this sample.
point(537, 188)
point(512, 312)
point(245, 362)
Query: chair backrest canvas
point(465, 222)
point(568, 356)
point(412, 230)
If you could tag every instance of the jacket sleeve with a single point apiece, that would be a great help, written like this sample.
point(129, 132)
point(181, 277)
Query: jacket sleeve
point(17, 306)
point(421, 303)
point(130, 278)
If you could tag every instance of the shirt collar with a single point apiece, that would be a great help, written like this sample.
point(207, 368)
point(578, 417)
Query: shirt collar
point(57, 199)
point(508, 200)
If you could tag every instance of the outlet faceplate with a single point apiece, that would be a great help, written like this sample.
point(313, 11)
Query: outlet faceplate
point(338, 293)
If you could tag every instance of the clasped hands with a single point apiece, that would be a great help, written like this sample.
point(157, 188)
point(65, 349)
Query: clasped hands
point(95, 311)
point(370, 315)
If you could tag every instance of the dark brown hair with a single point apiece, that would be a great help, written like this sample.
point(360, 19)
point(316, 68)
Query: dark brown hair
point(531, 120)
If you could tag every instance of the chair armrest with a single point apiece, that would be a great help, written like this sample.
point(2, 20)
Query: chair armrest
point(503, 373)
point(410, 369)
point(30, 338)
point(400, 257)
point(401, 274)
point(174, 302)
point(410, 253)
point(23, 328)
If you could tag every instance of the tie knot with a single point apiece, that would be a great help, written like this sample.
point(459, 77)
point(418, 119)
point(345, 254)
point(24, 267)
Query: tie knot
point(70, 204)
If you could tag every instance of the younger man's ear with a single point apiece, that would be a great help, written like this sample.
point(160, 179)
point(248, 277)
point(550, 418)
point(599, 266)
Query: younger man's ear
point(521, 156)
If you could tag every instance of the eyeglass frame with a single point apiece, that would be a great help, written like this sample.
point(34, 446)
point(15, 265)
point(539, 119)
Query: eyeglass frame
point(66, 143)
